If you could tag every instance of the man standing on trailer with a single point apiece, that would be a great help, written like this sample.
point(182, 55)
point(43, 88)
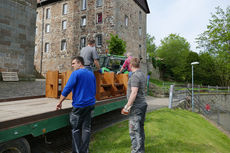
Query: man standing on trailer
point(136, 107)
point(126, 64)
point(90, 55)
point(82, 83)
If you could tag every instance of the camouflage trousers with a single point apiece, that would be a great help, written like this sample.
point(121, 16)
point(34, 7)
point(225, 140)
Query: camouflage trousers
point(136, 129)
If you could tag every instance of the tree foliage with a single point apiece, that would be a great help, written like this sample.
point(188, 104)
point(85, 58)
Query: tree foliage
point(116, 46)
point(151, 49)
point(216, 41)
point(173, 51)
point(150, 45)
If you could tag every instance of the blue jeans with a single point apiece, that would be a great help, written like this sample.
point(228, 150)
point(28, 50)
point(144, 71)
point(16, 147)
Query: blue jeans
point(80, 120)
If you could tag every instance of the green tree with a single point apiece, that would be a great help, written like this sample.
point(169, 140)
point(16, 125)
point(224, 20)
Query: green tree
point(151, 48)
point(206, 70)
point(116, 45)
point(173, 51)
point(192, 57)
point(216, 41)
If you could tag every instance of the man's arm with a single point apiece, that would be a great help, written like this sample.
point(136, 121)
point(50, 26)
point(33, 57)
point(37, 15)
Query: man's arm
point(59, 105)
point(96, 62)
point(131, 99)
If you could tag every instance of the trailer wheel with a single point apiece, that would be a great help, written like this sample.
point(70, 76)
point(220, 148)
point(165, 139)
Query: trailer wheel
point(20, 145)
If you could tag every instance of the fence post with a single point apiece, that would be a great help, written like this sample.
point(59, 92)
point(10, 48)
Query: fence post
point(228, 89)
point(170, 96)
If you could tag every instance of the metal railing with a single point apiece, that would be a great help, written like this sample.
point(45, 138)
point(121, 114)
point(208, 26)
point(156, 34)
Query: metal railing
point(181, 96)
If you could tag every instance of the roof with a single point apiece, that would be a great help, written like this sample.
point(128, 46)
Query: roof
point(143, 4)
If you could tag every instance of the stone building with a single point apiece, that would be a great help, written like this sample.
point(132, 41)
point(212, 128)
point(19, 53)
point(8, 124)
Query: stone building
point(64, 26)
point(17, 28)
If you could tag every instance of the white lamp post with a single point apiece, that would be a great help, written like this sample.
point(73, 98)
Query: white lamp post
point(193, 63)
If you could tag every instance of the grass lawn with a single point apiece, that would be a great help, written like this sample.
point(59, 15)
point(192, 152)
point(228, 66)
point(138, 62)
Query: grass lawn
point(167, 131)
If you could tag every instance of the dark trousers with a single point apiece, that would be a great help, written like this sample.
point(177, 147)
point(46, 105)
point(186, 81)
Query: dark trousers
point(136, 129)
point(80, 120)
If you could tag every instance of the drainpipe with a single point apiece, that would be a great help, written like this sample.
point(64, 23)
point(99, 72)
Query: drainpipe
point(43, 16)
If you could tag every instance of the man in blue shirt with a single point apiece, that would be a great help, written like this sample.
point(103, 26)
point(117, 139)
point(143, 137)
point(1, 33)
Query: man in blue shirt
point(82, 83)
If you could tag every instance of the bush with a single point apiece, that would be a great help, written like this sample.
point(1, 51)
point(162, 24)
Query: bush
point(116, 45)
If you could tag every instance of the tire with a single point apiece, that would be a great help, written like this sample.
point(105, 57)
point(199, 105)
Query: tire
point(20, 145)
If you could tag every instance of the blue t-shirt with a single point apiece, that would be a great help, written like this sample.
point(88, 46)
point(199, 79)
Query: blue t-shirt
point(82, 83)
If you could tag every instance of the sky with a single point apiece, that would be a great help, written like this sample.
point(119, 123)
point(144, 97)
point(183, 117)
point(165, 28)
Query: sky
point(188, 18)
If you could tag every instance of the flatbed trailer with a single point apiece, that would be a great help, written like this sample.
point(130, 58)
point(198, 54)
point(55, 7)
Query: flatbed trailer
point(35, 117)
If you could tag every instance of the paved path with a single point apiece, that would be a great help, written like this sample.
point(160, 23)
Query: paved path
point(156, 103)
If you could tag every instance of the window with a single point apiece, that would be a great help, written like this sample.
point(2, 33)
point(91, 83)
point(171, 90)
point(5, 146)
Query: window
point(47, 13)
point(64, 23)
point(64, 9)
point(83, 21)
point(83, 4)
point(99, 3)
point(140, 52)
point(83, 42)
point(47, 28)
point(63, 45)
point(36, 48)
point(47, 47)
point(140, 16)
point(99, 40)
point(140, 31)
point(99, 18)
point(126, 20)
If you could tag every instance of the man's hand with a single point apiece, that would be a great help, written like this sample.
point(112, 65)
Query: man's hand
point(118, 72)
point(126, 110)
point(59, 106)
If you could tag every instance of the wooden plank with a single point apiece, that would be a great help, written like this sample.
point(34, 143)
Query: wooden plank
point(10, 76)
point(52, 84)
point(68, 73)
point(123, 79)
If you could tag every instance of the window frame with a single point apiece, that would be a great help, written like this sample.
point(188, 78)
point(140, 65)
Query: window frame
point(48, 12)
point(47, 28)
point(100, 13)
point(47, 47)
point(101, 41)
point(64, 26)
point(82, 38)
point(99, 4)
point(83, 17)
point(63, 47)
point(140, 31)
point(83, 5)
point(126, 21)
point(65, 9)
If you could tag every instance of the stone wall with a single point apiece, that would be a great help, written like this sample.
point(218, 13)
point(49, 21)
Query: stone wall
point(17, 28)
point(220, 101)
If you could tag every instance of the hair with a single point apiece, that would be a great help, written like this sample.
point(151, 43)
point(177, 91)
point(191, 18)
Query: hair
point(135, 62)
point(129, 54)
point(79, 59)
point(91, 41)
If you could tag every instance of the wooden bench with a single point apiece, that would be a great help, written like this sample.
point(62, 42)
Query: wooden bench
point(10, 76)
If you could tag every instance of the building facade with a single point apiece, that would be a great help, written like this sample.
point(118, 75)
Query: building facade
point(17, 28)
point(64, 26)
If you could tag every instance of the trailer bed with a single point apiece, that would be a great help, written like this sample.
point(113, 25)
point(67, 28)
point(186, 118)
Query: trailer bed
point(39, 116)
